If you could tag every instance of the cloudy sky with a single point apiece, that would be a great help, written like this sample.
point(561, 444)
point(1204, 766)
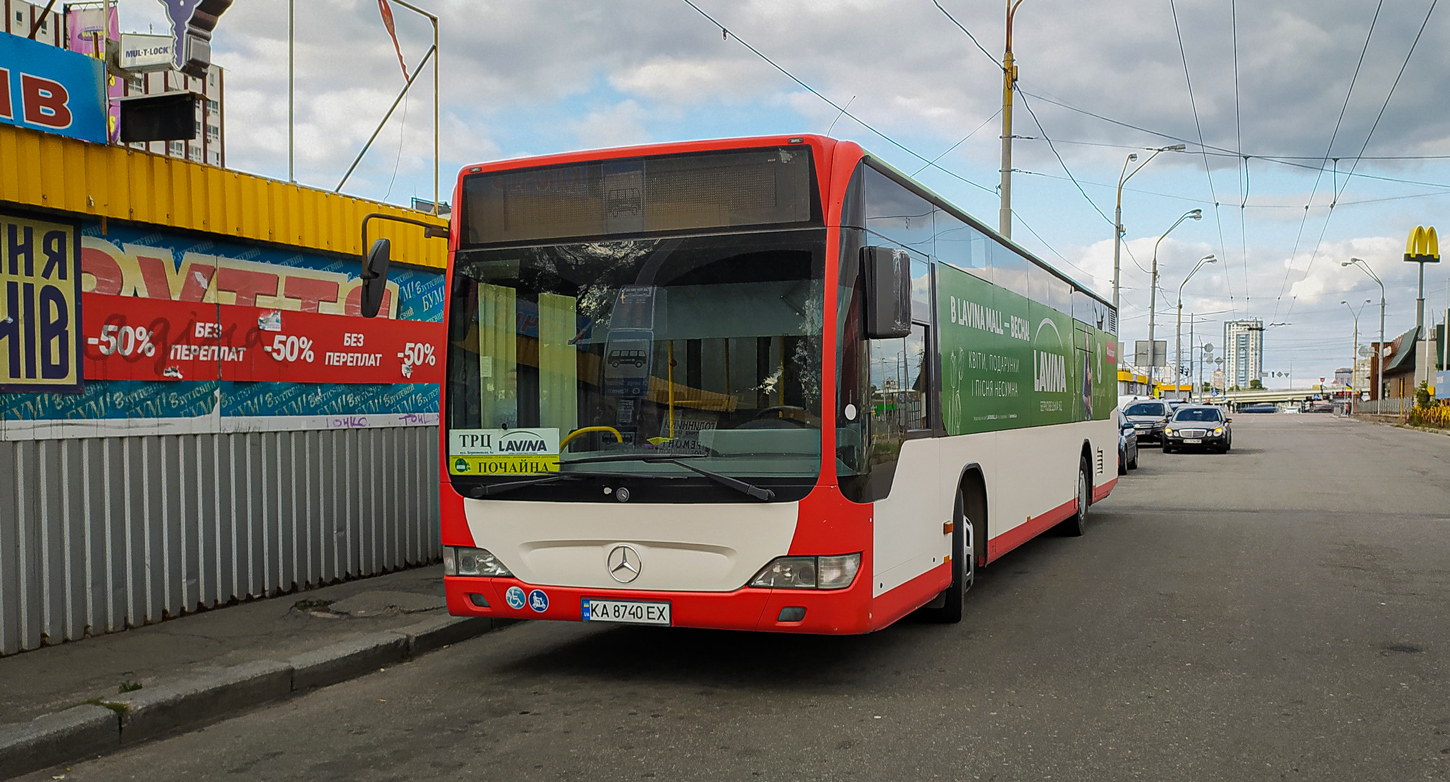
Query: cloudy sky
point(1280, 90)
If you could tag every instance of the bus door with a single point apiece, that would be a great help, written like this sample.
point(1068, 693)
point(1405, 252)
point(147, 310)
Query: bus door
point(1082, 340)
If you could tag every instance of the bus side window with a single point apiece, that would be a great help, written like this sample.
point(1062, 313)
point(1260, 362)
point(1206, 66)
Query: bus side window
point(895, 396)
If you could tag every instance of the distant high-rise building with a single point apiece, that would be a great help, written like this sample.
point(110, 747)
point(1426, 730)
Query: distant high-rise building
point(1363, 368)
point(208, 147)
point(21, 15)
point(1243, 361)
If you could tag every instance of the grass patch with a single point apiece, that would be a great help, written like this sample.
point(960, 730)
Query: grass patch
point(119, 708)
point(128, 687)
point(309, 605)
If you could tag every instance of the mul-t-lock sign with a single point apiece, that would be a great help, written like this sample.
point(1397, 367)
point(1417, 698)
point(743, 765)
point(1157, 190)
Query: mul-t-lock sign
point(40, 304)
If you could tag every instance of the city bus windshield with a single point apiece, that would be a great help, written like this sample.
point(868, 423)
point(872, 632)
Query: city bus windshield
point(611, 353)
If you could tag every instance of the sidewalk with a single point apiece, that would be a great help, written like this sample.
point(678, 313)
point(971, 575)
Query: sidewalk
point(318, 636)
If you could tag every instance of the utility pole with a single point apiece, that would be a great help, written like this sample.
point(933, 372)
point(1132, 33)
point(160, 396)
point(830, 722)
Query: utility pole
point(291, 91)
point(1009, 78)
point(1191, 318)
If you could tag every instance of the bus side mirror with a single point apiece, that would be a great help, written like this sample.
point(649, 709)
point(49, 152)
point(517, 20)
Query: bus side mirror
point(375, 277)
point(888, 292)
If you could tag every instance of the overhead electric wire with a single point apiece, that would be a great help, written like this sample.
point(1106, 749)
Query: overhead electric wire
point(959, 25)
point(1210, 149)
point(1062, 162)
point(1207, 170)
point(959, 143)
point(808, 88)
point(1329, 148)
point(1391, 93)
point(1048, 246)
point(1337, 189)
point(1239, 148)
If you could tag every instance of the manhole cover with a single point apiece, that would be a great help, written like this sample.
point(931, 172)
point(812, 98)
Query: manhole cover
point(383, 603)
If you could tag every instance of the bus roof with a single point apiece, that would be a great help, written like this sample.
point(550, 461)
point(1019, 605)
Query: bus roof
point(825, 144)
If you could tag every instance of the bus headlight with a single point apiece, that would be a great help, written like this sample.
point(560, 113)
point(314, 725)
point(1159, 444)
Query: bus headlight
point(836, 572)
point(464, 561)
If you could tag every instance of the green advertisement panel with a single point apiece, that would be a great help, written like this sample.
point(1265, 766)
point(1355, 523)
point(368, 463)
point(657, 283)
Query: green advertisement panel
point(1008, 362)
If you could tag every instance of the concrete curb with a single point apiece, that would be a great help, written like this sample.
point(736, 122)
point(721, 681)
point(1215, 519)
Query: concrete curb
point(155, 711)
point(346, 660)
point(80, 731)
point(86, 731)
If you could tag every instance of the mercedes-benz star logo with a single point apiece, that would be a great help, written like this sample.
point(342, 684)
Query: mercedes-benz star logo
point(623, 563)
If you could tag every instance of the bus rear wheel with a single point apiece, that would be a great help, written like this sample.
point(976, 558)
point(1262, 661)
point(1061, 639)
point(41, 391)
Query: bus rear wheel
point(1075, 525)
point(947, 607)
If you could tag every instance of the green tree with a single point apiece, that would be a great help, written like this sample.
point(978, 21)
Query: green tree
point(1422, 395)
point(1256, 385)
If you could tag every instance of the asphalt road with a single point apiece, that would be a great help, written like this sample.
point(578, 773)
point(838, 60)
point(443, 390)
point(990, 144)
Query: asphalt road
point(1275, 613)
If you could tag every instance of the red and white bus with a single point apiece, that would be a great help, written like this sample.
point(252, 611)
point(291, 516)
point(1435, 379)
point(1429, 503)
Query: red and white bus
point(751, 384)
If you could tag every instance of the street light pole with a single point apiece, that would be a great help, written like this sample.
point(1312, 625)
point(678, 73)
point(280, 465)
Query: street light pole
point(1009, 78)
point(1118, 211)
point(1380, 385)
point(1354, 349)
point(1194, 214)
point(1178, 339)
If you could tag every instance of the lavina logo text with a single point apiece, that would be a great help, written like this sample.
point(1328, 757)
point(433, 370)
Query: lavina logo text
point(1049, 372)
point(508, 445)
point(984, 318)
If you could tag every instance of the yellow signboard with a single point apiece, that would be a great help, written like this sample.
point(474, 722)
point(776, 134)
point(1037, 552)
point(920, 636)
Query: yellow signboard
point(40, 304)
point(1423, 246)
point(503, 465)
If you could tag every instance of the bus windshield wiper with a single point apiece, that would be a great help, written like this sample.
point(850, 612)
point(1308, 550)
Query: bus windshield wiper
point(764, 495)
point(631, 457)
point(489, 490)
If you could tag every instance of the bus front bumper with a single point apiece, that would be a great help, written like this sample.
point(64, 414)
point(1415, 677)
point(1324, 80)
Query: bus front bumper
point(834, 612)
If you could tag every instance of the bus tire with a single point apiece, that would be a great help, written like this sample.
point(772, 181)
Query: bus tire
point(1075, 525)
point(946, 608)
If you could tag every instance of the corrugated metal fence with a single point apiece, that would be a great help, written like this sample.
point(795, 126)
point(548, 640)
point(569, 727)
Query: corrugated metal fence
point(101, 534)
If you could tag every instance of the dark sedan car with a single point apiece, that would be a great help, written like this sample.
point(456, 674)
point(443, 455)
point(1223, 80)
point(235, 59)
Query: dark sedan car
point(1148, 418)
point(1127, 444)
point(1198, 426)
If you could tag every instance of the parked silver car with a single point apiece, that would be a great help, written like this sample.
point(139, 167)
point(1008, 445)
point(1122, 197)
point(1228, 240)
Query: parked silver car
point(1148, 418)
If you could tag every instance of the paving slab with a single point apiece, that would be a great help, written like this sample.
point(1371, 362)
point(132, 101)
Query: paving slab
point(54, 678)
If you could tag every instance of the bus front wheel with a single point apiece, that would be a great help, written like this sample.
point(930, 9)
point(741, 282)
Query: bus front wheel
point(946, 608)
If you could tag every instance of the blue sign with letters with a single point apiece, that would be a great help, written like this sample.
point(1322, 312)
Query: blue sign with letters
point(52, 90)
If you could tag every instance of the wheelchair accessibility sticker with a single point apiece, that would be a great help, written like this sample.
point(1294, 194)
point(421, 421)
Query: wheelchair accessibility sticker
point(514, 597)
point(538, 601)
